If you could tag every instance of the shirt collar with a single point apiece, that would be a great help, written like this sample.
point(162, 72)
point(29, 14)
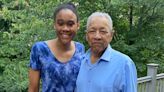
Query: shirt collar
point(106, 56)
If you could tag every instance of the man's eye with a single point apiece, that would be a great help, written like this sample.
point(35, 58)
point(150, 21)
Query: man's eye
point(103, 31)
point(91, 31)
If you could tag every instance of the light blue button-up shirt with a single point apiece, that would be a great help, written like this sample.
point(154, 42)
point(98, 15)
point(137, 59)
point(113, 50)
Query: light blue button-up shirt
point(113, 72)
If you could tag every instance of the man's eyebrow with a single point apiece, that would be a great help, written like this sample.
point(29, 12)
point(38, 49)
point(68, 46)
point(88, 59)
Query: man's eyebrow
point(102, 28)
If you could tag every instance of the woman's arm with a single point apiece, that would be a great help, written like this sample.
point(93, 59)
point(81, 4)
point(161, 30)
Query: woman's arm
point(34, 80)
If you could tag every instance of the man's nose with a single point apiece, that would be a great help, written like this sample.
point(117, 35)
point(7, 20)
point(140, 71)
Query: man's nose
point(97, 35)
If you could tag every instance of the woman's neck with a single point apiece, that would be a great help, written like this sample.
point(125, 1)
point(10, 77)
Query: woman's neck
point(61, 46)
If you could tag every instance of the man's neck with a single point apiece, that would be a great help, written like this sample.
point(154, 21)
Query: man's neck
point(94, 57)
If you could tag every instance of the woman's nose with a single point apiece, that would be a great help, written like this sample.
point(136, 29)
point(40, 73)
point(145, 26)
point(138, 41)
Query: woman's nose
point(65, 27)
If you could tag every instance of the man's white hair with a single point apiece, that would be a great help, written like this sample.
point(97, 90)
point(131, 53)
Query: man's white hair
point(101, 14)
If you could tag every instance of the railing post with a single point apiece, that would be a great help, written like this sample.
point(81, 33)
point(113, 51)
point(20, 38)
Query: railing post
point(152, 71)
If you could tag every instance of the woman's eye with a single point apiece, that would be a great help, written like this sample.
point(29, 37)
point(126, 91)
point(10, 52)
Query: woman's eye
point(60, 23)
point(70, 23)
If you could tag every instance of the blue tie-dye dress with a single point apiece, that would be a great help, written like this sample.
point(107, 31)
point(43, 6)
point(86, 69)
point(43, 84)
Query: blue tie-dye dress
point(56, 76)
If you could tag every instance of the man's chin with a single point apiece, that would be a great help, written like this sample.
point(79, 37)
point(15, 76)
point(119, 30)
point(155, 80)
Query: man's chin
point(97, 50)
point(96, 46)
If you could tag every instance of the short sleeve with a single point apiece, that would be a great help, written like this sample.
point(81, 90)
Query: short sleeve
point(82, 49)
point(34, 58)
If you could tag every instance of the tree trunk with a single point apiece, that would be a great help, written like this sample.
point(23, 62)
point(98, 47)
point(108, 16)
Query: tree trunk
point(131, 17)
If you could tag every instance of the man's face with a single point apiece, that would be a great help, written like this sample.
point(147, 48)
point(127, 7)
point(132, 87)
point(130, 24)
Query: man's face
point(99, 34)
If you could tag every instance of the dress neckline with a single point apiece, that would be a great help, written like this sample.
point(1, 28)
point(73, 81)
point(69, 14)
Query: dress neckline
point(45, 42)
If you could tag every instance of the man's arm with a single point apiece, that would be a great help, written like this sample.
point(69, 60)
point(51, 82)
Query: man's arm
point(130, 78)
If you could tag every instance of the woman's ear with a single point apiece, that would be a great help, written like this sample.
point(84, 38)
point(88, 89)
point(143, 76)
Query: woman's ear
point(54, 26)
point(78, 25)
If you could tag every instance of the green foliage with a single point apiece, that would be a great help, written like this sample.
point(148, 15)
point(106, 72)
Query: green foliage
point(14, 78)
point(23, 22)
point(25, 25)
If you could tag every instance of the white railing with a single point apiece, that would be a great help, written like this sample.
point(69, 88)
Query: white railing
point(153, 82)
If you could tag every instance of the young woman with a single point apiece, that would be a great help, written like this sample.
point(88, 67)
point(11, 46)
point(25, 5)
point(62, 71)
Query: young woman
point(56, 62)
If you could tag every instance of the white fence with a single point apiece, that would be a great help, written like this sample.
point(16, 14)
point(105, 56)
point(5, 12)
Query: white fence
point(153, 82)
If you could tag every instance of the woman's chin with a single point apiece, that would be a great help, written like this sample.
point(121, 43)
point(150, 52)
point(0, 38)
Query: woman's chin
point(65, 42)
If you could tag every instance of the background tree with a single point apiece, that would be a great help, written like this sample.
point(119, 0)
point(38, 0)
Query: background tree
point(138, 25)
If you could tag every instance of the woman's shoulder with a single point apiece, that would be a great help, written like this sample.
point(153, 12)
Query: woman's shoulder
point(40, 45)
point(78, 42)
point(79, 46)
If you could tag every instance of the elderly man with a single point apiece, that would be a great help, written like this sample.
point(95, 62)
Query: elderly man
point(103, 68)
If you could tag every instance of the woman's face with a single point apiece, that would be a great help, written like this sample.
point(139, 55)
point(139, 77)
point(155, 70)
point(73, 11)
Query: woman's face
point(66, 25)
